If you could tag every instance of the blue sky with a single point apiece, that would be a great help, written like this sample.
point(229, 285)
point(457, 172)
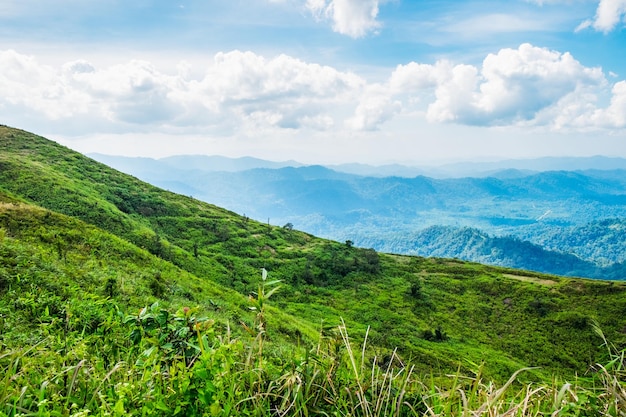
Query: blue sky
point(319, 81)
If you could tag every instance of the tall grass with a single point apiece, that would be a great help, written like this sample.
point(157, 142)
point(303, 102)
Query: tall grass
point(182, 365)
point(220, 379)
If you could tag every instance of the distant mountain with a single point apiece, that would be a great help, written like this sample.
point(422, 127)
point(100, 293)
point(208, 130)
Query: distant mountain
point(554, 210)
point(180, 165)
point(484, 169)
point(135, 165)
point(222, 163)
point(603, 241)
point(498, 169)
point(477, 246)
point(392, 170)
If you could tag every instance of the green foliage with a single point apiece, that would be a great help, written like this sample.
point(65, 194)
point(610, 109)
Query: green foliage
point(435, 336)
point(181, 364)
point(82, 247)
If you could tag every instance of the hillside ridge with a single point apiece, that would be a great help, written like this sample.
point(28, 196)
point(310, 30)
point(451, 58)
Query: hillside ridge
point(439, 313)
point(553, 216)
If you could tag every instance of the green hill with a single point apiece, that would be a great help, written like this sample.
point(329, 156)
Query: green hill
point(83, 248)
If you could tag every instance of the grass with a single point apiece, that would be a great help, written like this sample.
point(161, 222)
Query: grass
point(187, 365)
point(120, 298)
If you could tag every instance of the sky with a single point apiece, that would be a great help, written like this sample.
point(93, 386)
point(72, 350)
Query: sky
point(319, 81)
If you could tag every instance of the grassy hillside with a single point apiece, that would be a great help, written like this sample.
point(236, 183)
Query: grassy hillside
point(83, 248)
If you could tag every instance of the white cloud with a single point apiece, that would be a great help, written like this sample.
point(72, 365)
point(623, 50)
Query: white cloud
point(414, 77)
point(581, 112)
point(135, 92)
point(297, 93)
point(318, 122)
point(25, 83)
point(244, 77)
point(492, 24)
point(375, 107)
point(611, 117)
point(237, 86)
point(454, 95)
point(518, 83)
point(354, 18)
point(608, 15)
point(243, 92)
point(514, 86)
point(615, 114)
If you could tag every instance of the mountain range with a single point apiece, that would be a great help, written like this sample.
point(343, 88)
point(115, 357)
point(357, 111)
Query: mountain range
point(445, 170)
point(570, 219)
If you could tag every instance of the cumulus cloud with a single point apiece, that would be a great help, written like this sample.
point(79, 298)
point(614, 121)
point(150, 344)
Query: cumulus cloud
point(282, 91)
point(512, 87)
point(375, 107)
point(611, 117)
point(516, 83)
point(615, 114)
point(26, 83)
point(246, 77)
point(246, 92)
point(608, 15)
point(354, 18)
point(415, 77)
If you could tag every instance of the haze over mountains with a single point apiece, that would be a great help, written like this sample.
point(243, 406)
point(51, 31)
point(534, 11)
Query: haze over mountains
point(450, 170)
point(556, 215)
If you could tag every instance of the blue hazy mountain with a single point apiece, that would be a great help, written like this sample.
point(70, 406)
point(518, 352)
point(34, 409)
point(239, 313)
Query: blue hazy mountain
point(515, 167)
point(560, 221)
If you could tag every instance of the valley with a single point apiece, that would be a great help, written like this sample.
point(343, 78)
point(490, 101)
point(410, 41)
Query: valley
point(561, 222)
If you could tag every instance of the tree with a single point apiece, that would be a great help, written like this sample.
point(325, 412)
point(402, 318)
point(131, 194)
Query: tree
point(416, 288)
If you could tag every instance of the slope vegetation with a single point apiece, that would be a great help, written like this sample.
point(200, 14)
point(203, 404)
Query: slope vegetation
point(80, 242)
